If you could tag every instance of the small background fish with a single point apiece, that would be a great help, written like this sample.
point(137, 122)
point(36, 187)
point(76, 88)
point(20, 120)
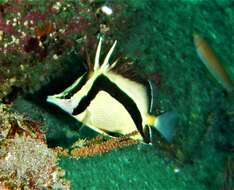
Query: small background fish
point(212, 63)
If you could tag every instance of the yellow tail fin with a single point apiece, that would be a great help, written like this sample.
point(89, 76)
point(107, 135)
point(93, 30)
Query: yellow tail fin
point(164, 123)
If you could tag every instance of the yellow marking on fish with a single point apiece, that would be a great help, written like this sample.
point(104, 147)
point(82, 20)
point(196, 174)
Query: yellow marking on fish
point(212, 62)
point(151, 120)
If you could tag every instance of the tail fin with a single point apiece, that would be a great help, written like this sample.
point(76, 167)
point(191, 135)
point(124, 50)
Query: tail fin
point(165, 124)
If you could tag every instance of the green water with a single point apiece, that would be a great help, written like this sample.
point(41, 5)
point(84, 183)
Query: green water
point(157, 36)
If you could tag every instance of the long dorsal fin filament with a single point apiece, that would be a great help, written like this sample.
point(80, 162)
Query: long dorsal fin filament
point(105, 64)
point(97, 56)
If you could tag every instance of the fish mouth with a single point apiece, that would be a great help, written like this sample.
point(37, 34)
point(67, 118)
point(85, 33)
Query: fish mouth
point(51, 99)
point(55, 101)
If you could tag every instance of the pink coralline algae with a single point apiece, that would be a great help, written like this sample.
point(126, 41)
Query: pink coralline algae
point(4, 27)
point(24, 27)
point(35, 36)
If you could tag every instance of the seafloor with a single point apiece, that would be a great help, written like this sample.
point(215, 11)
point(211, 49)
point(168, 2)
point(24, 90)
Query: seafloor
point(42, 52)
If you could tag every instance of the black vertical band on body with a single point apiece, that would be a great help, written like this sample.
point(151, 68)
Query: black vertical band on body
point(104, 84)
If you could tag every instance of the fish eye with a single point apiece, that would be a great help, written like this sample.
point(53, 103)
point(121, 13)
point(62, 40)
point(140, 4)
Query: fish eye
point(77, 87)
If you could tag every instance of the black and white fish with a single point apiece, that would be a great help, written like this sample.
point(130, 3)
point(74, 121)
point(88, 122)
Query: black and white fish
point(110, 102)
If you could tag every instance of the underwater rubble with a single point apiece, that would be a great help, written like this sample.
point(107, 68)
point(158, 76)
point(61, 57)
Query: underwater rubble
point(26, 162)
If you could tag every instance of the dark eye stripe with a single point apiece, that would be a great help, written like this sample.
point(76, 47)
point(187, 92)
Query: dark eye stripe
point(103, 83)
point(77, 87)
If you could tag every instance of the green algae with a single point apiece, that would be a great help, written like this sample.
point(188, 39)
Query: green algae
point(135, 167)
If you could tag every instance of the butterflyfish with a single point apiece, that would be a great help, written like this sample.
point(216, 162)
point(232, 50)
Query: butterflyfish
point(212, 63)
point(111, 103)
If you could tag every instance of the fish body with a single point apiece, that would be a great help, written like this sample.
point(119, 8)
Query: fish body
point(111, 104)
point(212, 62)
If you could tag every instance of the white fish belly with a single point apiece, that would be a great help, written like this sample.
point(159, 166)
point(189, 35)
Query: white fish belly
point(106, 113)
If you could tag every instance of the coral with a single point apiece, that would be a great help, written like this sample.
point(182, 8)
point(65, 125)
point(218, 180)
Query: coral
point(12, 124)
point(27, 163)
point(25, 160)
point(98, 145)
point(32, 33)
point(104, 147)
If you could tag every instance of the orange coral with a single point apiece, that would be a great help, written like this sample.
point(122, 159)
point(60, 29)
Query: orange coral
point(99, 145)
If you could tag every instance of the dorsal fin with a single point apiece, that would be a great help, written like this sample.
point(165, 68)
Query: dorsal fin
point(126, 69)
point(97, 56)
point(106, 63)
